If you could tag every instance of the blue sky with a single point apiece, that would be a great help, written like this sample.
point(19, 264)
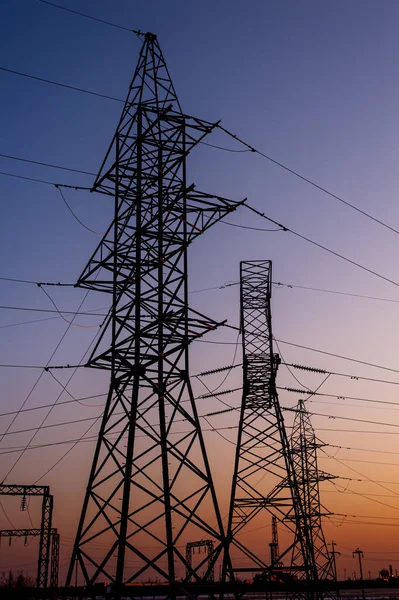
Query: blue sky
point(314, 85)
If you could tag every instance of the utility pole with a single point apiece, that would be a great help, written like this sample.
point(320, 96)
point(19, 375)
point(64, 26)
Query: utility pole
point(360, 555)
point(150, 487)
point(334, 553)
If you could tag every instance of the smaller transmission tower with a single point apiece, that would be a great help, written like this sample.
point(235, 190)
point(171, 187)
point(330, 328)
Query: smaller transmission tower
point(264, 477)
point(304, 447)
point(274, 547)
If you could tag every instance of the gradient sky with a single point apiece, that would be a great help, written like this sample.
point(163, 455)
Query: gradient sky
point(312, 84)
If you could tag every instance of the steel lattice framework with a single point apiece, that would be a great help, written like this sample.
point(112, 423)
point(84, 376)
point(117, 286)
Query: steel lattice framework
point(55, 548)
point(207, 545)
point(264, 475)
point(45, 527)
point(150, 488)
point(304, 447)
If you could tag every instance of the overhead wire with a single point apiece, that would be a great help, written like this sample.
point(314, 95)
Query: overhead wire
point(339, 397)
point(279, 284)
point(308, 181)
point(45, 164)
point(247, 227)
point(74, 214)
point(80, 14)
point(91, 313)
point(355, 360)
point(62, 316)
point(325, 248)
point(45, 181)
point(314, 414)
point(41, 407)
point(62, 85)
point(353, 377)
point(35, 385)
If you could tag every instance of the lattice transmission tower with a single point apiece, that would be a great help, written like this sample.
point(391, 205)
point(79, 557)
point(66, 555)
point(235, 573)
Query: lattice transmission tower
point(150, 488)
point(304, 446)
point(264, 480)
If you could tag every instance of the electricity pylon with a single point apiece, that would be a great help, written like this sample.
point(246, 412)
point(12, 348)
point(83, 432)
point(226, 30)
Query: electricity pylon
point(150, 488)
point(304, 445)
point(264, 475)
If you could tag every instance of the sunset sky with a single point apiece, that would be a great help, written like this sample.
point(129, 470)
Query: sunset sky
point(312, 84)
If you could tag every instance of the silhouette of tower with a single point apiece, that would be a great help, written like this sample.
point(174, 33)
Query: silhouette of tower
point(304, 445)
point(274, 546)
point(264, 475)
point(150, 488)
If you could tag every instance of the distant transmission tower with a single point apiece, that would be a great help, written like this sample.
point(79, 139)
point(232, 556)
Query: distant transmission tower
point(304, 445)
point(264, 477)
point(274, 546)
point(150, 489)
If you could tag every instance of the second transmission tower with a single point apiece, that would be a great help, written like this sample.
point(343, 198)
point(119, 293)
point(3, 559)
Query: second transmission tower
point(264, 479)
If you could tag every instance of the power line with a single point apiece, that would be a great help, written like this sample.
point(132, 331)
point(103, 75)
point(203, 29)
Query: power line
point(315, 289)
point(64, 185)
point(344, 418)
point(247, 227)
point(50, 310)
point(63, 85)
point(74, 214)
point(323, 371)
point(340, 397)
point(43, 164)
point(37, 382)
point(79, 400)
point(333, 252)
point(362, 362)
point(75, 12)
point(309, 181)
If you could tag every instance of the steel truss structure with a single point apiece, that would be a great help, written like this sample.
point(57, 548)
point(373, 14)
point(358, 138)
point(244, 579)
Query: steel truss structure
point(304, 445)
point(207, 545)
point(46, 524)
point(55, 548)
point(264, 476)
point(150, 488)
point(274, 546)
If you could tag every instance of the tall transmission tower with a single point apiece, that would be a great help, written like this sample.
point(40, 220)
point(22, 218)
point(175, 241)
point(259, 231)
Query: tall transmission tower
point(304, 445)
point(150, 488)
point(264, 475)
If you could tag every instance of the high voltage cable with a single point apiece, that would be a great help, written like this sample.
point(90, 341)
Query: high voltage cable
point(80, 14)
point(253, 228)
point(93, 438)
point(64, 185)
point(74, 214)
point(339, 397)
point(43, 370)
point(333, 252)
point(36, 162)
point(63, 85)
point(36, 383)
point(24, 410)
point(337, 292)
point(362, 362)
point(343, 418)
point(324, 371)
point(324, 190)
point(309, 181)
point(50, 310)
